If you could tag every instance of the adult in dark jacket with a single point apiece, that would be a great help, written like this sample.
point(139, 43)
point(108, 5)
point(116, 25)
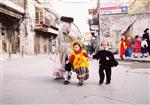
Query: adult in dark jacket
point(146, 36)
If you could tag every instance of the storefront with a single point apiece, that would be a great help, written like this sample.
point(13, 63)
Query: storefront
point(44, 41)
point(10, 20)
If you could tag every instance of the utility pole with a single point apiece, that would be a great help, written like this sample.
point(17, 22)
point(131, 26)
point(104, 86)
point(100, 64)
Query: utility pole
point(98, 16)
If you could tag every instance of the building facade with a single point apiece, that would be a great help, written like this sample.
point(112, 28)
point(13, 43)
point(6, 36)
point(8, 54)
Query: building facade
point(11, 18)
point(27, 27)
point(129, 20)
point(46, 29)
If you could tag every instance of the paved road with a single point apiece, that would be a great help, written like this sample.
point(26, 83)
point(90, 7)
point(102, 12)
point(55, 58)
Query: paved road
point(29, 81)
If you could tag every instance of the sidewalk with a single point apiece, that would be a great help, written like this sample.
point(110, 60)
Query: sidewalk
point(117, 56)
point(5, 57)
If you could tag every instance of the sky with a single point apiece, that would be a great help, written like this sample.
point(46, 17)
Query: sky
point(78, 9)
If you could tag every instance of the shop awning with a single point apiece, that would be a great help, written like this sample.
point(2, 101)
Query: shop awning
point(12, 5)
point(53, 31)
point(45, 33)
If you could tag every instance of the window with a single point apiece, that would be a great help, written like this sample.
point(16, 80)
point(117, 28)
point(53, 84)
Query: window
point(37, 18)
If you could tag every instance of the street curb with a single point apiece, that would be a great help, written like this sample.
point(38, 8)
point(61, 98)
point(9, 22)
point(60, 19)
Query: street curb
point(133, 60)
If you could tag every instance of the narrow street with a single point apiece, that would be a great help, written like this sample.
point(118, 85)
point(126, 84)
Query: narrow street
point(29, 81)
point(32, 30)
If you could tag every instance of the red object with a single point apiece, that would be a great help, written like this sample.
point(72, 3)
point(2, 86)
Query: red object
point(128, 43)
point(122, 48)
point(71, 59)
point(110, 8)
point(137, 45)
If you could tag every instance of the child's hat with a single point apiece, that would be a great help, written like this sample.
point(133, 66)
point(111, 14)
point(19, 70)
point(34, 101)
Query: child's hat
point(77, 41)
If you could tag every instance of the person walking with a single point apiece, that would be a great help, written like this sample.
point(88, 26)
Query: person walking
point(146, 36)
point(122, 45)
point(80, 63)
point(106, 61)
point(64, 39)
point(144, 46)
point(50, 47)
point(137, 47)
point(128, 51)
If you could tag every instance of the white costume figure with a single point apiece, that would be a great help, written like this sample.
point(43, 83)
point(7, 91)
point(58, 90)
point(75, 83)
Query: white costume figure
point(64, 44)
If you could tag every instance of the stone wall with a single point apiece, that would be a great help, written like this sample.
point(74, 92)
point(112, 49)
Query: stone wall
point(139, 6)
point(114, 26)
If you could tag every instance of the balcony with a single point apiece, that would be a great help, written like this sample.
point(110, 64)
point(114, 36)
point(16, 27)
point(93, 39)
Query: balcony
point(41, 21)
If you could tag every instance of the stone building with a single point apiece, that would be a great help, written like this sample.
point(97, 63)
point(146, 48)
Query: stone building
point(27, 26)
point(11, 18)
point(132, 23)
point(46, 29)
point(129, 20)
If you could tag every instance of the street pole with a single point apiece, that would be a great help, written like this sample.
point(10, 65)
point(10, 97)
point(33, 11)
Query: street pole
point(22, 52)
point(98, 16)
point(9, 48)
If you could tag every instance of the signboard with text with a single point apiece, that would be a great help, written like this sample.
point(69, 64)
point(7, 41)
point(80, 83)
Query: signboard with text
point(113, 10)
point(110, 10)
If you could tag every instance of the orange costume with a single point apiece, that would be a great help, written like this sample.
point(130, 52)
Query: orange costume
point(79, 59)
point(80, 64)
point(122, 48)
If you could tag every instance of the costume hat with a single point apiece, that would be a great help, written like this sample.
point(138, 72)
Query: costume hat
point(77, 41)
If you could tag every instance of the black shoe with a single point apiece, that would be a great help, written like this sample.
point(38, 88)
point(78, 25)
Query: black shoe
point(66, 82)
point(141, 56)
point(80, 83)
point(135, 56)
point(100, 82)
point(107, 83)
point(69, 77)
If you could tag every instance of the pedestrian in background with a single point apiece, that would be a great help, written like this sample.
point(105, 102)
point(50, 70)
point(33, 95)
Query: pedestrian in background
point(146, 36)
point(144, 45)
point(137, 47)
point(128, 51)
point(106, 62)
point(122, 45)
point(80, 63)
point(49, 47)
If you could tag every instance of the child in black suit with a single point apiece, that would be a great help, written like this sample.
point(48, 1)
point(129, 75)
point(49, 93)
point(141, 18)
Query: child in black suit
point(106, 61)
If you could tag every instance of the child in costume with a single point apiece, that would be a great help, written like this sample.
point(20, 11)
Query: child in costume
point(106, 61)
point(144, 45)
point(137, 47)
point(122, 46)
point(128, 51)
point(80, 63)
